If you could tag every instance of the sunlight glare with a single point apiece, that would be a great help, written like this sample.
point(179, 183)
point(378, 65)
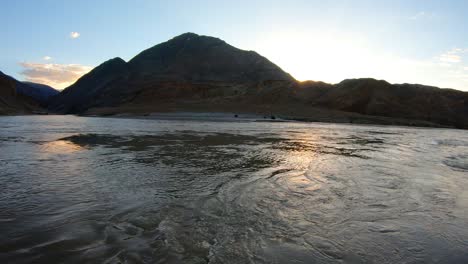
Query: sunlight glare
point(321, 56)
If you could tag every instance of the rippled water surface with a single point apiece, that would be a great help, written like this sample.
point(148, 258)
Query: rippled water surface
point(103, 190)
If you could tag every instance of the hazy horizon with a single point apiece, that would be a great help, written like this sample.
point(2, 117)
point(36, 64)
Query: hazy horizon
point(418, 42)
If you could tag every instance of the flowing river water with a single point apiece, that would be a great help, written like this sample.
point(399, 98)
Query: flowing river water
point(109, 190)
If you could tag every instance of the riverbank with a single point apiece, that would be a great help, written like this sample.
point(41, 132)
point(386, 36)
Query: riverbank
point(227, 112)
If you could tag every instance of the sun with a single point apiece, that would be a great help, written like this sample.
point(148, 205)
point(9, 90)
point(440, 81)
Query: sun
point(325, 56)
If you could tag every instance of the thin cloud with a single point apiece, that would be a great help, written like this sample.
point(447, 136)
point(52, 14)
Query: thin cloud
point(452, 71)
point(452, 56)
point(418, 15)
point(56, 75)
point(422, 15)
point(46, 58)
point(445, 64)
point(74, 35)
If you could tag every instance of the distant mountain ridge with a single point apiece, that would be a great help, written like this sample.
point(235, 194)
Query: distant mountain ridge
point(40, 92)
point(12, 98)
point(199, 73)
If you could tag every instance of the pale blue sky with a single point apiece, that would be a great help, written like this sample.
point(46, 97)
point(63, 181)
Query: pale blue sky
point(411, 41)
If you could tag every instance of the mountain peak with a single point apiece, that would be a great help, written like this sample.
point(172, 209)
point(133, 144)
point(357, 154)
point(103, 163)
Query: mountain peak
point(115, 64)
point(116, 60)
point(187, 35)
point(363, 81)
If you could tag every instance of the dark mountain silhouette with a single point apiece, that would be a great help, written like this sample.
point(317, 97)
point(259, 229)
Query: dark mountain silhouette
point(200, 73)
point(13, 102)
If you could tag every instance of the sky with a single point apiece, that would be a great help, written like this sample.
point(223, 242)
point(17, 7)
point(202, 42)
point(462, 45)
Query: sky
point(402, 41)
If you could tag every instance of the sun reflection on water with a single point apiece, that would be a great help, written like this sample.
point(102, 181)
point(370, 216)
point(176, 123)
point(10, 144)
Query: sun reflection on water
point(61, 147)
point(303, 155)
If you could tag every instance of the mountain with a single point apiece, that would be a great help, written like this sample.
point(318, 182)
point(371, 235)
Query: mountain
point(185, 67)
point(201, 73)
point(12, 102)
point(39, 92)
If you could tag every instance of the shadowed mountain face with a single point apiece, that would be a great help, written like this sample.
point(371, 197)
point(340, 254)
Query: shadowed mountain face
point(12, 101)
point(200, 73)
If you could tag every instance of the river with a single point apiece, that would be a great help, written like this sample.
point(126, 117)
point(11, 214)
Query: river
point(114, 190)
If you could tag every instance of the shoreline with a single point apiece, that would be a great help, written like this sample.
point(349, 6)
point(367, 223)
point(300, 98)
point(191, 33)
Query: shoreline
point(231, 116)
point(253, 117)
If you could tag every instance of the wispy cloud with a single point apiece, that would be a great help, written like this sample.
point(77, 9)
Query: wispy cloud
point(451, 69)
point(454, 55)
point(46, 58)
point(445, 64)
point(74, 35)
point(422, 15)
point(56, 75)
point(450, 58)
